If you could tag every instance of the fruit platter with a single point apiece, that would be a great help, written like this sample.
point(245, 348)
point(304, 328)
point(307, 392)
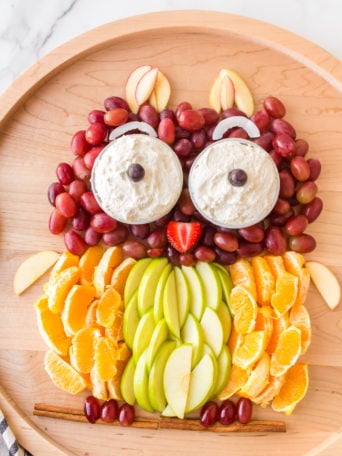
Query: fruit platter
point(171, 251)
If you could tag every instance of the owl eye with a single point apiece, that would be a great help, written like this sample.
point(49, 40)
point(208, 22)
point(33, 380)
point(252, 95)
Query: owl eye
point(137, 179)
point(234, 183)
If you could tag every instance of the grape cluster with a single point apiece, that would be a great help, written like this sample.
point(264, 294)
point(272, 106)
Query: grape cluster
point(77, 213)
point(108, 411)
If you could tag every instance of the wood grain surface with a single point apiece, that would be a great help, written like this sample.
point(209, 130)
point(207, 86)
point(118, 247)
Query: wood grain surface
point(38, 115)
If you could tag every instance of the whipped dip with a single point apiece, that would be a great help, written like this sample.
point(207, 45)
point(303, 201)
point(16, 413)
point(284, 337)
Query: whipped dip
point(223, 203)
point(147, 199)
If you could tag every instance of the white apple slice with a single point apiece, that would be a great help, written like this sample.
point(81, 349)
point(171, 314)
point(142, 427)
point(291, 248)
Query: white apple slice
point(160, 334)
point(145, 86)
point(243, 96)
point(140, 383)
point(201, 383)
point(227, 94)
point(224, 366)
point(127, 382)
point(226, 320)
point(134, 278)
point(170, 305)
point(211, 284)
point(158, 307)
point(131, 86)
point(326, 283)
point(215, 95)
point(143, 334)
point(196, 291)
point(192, 333)
point(148, 284)
point(32, 268)
point(176, 378)
point(212, 330)
point(156, 391)
point(226, 283)
point(183, 296)
point(131, 320)
point(161, 93)
point(168, 412)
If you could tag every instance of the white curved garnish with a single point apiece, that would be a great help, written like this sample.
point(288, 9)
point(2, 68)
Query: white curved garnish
point(134, 125)
point(235, 121)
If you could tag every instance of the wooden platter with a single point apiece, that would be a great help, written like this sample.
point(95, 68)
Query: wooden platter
point(38, 115)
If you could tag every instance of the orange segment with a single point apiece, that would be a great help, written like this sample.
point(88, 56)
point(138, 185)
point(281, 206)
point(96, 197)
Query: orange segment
point(295, 264)
point(120, 275)
point(62, 374)
point(244, 309)
point(250, 350)
point(51, 327)
point(75, 308)
point(270, 391)
point(108, 306)
point(279, 325)
point(66, 260)
point(60, 286)
point(276, 264)
point(286, 293)
point(241, 273)
point(299, 317)
point(264, 280)
point(112, 257)
point(258, 378)
point(99, 387)
point(264, 322)
point(287, 351)
point(238, 377)
point(82, 351)
point(234, 340)
point(88, 261)
point(90, 321)
point(293, 390)
point(105, 358)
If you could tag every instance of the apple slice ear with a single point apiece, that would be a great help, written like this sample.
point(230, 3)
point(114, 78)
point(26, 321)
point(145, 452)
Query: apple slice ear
point(131, 86)
point(215, 95)
point(227, 94)
point(326, 283)
point(243, 96)
point(161, 92)
point(32, 269)
point(145, 86)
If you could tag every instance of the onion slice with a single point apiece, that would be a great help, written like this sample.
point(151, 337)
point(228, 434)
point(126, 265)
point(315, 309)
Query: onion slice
point(235, 121)
point(129, 126)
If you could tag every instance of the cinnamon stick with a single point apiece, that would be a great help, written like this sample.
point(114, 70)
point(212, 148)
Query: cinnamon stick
point(188, 424)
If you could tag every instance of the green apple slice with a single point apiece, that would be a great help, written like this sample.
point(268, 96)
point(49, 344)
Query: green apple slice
point(177, 377)
point(226, 283)
point(212, 330)
point(143, 334)
point(209, 351)
point(183, 296)
point(126, 385)
point(168, 412)
point(159, 295)
point(134, 278)
point(211, 284)
point(196, 291)
point(192, 333)
point(148, 284)
point(156, 391)
point(224, 366)
point(226, 320)
point(170, 306)
point(131, 320)
point(160, 334)
point(140, 383)
point(201, 383)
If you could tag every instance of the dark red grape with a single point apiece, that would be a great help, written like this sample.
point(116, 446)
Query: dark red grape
point(209, 414)
point(244, 409)
point(92, 409)
point(54, 189)
point(227, 412)
point(126, 414)
point(109, 411)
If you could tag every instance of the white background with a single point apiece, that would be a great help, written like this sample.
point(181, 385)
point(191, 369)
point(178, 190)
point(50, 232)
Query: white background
point(29, 29)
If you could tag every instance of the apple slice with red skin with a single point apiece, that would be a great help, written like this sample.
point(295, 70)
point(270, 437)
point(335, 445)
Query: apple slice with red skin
point(131, 86)
point(145, 86)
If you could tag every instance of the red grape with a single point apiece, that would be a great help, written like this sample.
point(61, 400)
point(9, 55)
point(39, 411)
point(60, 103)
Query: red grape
point(274, 107)
point(248, 249)
point(300, 168)
point(140, 231)
point(199, 139)
point(79, 144)
point(265, 140)
point(244, 409)
point(117, 236)
point(191, 120)
point(134, 249)
point(96, 133)
point(115, 102)
point(187, 259)
point(81, 220)
point(284, 145)
point(287, 184)
point(304, 243)
point(302, 147)
point(183, 147)
point(227, 412)
point(261, 120)
point(157, 238)
point(109, 411)
point(275, 241)
point(148, 114)
point(282, 207)
point(103, 223)
point(305, 193)
point(76, 189)
point(167, 130)
point(55, 189)
point(281, 126)
point(65, 173)
point(66, 204)
point(57, 222)
point(91, 156)
point(184, 105)
point(296, 225)
point(167, 113)
point(211, 117)
point(225, 258)
point(226, 241)
point(89, 203)
point(80, 169)
point(204, 253)
point(92, 409)
point(313, 209)
point(115, 117)
point(74, 242)
point(315, 168)
point(209, 414)
point(92, 237)
point(95, 116)
point(230, 112)
point(126, 414)
point(155, 253)
point(253, 233)
point(185, 203)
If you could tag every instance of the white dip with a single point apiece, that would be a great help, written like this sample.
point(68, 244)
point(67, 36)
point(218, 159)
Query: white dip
point(148, 199)
point(221, 202)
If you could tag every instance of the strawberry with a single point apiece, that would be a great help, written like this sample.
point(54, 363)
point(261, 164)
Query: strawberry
point(183, 236)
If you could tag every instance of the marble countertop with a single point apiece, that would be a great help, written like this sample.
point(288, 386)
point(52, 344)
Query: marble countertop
point(29, 29)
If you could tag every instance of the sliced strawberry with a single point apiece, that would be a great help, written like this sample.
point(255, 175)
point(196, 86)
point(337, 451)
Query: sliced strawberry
point(183, 236)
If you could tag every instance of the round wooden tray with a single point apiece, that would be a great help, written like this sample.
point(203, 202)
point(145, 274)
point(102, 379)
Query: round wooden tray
point(38, 115)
